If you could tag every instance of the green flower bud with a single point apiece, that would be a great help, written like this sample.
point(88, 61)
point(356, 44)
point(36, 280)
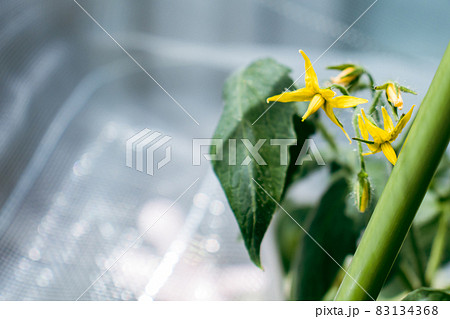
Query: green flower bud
point(362, 191)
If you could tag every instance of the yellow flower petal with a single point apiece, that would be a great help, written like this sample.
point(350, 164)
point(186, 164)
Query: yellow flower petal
point(401, 124)
point(389, 152)
point(310, 76)
point(329, 112)
point(379, 135)
point(345, 101)
point(388, 124)
point(370, 153)
point(362, 128)
point(315, 104)
point(374, 148)
point(299, 95)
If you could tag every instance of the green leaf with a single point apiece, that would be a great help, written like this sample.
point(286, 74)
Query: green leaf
point(428, 294)
point(303, 130)
point(245, 95)
point(315, 270)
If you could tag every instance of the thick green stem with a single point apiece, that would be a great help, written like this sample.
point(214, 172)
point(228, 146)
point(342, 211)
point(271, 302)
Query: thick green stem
point(427, 140)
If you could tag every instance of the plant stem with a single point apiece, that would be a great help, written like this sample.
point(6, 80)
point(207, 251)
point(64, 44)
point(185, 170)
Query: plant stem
point(428, 138)
point(358, 135)
point(340, 88)
point(417, 255)
point(371, 81)
point(394, 111)
point(373, 107)
point(376, 99)
point(405, 278)
point(438, 247)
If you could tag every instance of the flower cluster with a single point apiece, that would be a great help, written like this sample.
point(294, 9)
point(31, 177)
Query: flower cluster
point(346, 81)
point(326, 99)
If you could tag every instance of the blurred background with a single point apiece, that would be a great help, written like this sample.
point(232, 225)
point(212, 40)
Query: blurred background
point(70, 98)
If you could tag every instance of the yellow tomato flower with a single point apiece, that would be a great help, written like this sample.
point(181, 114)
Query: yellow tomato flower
point(320, 98)
point(382, 139)
point(345, 77)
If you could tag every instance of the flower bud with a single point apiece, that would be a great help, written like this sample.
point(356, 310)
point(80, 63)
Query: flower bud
point(345, 77)
point(394, 95)
point(362, 192)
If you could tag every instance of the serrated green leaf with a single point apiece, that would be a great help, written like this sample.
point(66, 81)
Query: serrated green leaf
point(428, 294)
point(315, 270)
point(245, 95)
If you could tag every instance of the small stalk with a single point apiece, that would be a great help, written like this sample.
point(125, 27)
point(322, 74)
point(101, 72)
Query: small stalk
point(438, 246)
point(427, 141)
point(371, 81)
point(418, 256)
point(373, 107)
point(375, 100)
point(342, 89)
point(405, 278)
point(394, 111)
point(358, 135)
